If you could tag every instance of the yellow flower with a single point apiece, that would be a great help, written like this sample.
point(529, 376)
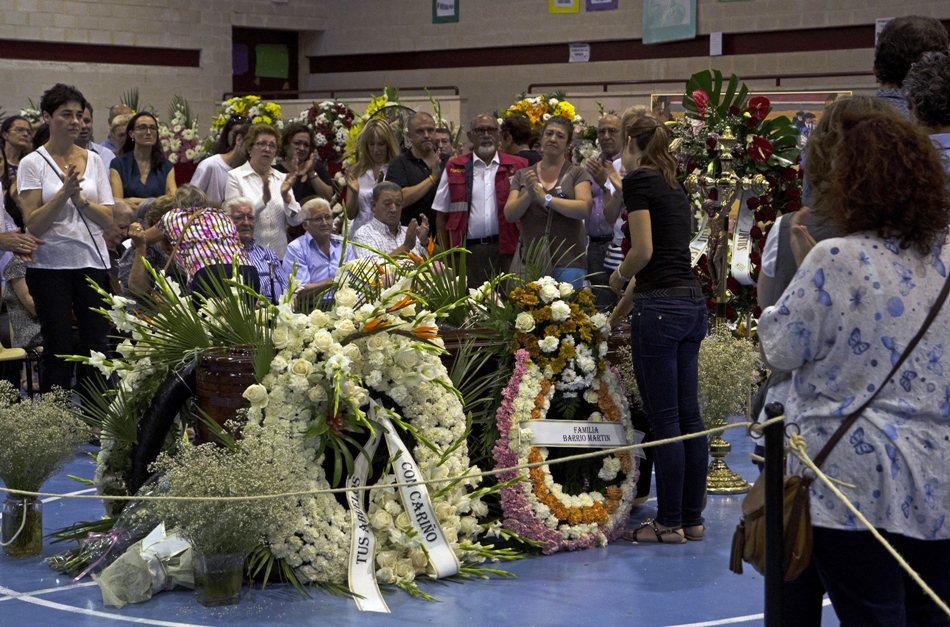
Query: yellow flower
point(267, 119)
point(253, 98)
point(257, 119)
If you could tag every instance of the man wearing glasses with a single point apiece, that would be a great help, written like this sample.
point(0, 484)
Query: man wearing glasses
point(470, 203)
point(269, 269)
point(317, 253)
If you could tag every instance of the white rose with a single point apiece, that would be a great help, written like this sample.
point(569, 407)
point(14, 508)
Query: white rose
point(352, 351)
point(403, 521)
point(346, 297)
point(566, 289)
point(524, 322)
point(280, 337)
point(322, 340)
point(377, 342)
point(256, 394)
point(318, 318)
point(443, 510)
point(430, 372)
point(451, 535)
point(385, 575)
point(317, 394)
point(344, 328)
point(549, 292)
point(404, 570)
point(599, 320)
point(300, 367)
point(381, 519)
point(418, 558)
point(397, 374)
point(560, 311)
point(407, 358)
point(548, 344)
point(387, 559)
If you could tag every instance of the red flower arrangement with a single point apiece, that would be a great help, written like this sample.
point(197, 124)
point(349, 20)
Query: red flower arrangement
point(330, 122)
point(766, 146)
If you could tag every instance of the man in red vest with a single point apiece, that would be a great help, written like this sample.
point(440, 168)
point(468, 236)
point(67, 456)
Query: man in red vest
point(470, 203)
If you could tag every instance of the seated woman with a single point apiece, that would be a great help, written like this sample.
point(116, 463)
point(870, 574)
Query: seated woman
point(311, 178)
point(141, 170)
point(275, 205)
point(203, 239)
point(848, 314)
point(376, 146)
point(552, 198)
point(16, 137)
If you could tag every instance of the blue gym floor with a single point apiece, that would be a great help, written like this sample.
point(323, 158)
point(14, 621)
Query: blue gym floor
point(686, 585)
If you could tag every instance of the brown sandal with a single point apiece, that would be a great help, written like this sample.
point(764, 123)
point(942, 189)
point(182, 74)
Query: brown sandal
point(695, 533)
point(659, 536)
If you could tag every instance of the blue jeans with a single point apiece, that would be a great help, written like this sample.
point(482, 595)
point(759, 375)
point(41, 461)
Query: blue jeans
point(665, 338)
point(868, 588)
point(574, 276)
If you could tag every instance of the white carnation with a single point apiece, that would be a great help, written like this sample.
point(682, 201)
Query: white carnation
point(560, 311)
point(548, 344)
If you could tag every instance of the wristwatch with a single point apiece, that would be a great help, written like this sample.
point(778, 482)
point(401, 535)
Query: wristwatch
point(620, 274)
point(547, 199)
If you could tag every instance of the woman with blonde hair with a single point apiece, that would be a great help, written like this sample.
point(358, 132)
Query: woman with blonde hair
point(376, 146)
point(669, 321)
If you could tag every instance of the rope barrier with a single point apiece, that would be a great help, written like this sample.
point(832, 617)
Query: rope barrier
point(486, 473)
point(797, 448)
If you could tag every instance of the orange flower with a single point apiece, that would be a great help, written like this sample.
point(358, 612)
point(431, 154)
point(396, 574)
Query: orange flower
point(405, 301)
point(426, 333)
point(375, 324)
point(430, 247)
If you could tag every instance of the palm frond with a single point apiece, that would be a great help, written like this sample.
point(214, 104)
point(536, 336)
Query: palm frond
point(108, 410)
point(131, 99)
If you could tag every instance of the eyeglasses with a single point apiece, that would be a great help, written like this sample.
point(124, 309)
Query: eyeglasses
point(146, 128)
point(242, 218)
point(482, 130)
point(23, 130)
point(266, 145)
point(323, 218)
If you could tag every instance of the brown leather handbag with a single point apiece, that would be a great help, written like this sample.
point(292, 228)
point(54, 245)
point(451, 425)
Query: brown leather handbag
point(748, 541)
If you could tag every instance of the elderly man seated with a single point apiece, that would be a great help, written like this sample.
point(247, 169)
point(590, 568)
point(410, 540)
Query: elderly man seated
point(271, 272)
point(317, 253)
point(384, 232)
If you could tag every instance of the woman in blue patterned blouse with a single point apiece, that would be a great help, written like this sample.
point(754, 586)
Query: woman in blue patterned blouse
point(854, 304)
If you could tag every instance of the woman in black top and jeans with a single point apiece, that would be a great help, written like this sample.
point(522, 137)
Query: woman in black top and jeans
point(669, 321)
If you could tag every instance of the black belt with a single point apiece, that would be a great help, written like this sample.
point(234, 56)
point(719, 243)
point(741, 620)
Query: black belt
point(493, 239)
point(602, 239)
point(670, 292)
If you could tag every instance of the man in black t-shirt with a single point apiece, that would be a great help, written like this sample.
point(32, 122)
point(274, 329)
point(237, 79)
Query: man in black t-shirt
point(418, 169)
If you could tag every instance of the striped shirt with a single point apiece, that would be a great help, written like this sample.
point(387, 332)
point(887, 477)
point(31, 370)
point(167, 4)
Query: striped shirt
point(271, 272)
point(210, 238)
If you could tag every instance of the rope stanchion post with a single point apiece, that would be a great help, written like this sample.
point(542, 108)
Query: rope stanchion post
point(774, 514)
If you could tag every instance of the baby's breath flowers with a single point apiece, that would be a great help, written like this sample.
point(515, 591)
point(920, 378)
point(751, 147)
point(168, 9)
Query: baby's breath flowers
point(727, 372)
point(39, 436)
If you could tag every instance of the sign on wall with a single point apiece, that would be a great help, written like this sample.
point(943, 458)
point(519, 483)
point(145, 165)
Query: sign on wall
point(444, 11)
point(668, 20)
point(564, 6)
point(601, 5)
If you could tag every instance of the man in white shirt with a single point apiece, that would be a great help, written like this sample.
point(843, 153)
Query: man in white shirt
point(384, 232)
point(470, 203)
point(211, 176)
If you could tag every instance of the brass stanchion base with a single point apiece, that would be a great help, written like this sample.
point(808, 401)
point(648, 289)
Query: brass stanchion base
point(720, 479)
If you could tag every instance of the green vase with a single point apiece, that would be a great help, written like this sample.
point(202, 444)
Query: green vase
point(22, 538)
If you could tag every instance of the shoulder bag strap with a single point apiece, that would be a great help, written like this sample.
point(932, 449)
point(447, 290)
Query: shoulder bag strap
point(852, 418)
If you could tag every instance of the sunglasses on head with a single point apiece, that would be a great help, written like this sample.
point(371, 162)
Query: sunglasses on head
point(240, 119)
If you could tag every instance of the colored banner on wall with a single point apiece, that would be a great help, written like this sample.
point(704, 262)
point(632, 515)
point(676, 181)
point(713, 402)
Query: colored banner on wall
point(564, 6)
point(444, 11)
point(273, 61)
point(668, 20)
point(601, 5)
